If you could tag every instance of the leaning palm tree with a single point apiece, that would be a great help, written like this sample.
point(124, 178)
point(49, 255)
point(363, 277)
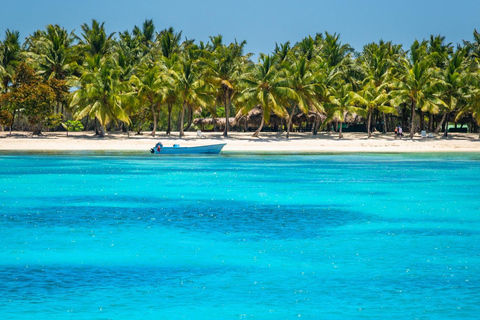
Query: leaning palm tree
point(100, 93)
point(266, 87)
point(342, 103)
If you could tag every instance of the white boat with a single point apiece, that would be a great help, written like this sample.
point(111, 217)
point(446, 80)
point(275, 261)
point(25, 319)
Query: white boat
point(177, 149)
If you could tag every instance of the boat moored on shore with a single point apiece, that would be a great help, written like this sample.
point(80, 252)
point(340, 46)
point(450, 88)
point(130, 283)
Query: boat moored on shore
point(177, 149)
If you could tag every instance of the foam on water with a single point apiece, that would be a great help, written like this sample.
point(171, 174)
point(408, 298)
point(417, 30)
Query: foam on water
point(237, 237)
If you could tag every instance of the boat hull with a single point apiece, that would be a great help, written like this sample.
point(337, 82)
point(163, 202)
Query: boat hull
point(210, 149)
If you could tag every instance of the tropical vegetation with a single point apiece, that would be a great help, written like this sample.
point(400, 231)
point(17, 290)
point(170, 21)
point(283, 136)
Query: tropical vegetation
point(153, 80)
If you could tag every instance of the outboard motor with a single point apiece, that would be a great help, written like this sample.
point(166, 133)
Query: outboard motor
point(157, 147)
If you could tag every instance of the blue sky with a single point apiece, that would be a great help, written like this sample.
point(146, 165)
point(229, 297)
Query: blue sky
point(260, 22)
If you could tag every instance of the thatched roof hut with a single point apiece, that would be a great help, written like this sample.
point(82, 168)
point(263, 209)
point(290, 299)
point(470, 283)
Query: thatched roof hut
point(351, 118)
point(254, 118)
point(218, 121)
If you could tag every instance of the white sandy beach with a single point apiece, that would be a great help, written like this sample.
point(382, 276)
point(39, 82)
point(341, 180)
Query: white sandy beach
point(242, 142)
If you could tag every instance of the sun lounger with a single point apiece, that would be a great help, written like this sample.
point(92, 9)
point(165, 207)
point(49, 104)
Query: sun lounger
point(199, 134)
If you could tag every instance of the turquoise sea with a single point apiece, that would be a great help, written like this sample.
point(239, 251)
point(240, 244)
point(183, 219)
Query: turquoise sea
point(136, 236)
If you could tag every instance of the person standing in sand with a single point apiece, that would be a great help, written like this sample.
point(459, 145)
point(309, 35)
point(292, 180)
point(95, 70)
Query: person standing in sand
point(396, 132)
point(400, 132)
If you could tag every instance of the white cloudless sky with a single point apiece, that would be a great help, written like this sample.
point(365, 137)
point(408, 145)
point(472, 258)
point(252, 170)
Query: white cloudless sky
point(261, 23)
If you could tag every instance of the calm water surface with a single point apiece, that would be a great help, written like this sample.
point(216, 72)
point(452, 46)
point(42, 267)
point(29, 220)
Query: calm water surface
point(236, 237)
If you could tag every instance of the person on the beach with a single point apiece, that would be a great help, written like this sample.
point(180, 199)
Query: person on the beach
point(396, 132)
point(400, 132)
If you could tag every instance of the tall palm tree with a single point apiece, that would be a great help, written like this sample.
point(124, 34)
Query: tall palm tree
point(52, 51)
point(333, 51)
point(190, 87)
point(455, 87)
point(226, 68)
point(379, 64)
point(342, 103)
point(146, 34)
point(267, 88)
point(418, 84)
point(302, 78)
point(100, 93)
point(149, 86)
point(9, 57)
point(95, 39)
point(373, 97)
point(168, 46)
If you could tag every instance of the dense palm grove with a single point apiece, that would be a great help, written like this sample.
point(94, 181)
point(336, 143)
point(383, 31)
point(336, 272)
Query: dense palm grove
point(155, 80)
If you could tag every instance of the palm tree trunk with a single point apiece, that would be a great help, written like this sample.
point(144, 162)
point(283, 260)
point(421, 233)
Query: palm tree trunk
point(422, 120)
point(439, 127)
point(369, 123)
point(445, 133)
point(97, 132)
point(315, 125)
point(257, 132)
point(412, 127)
point(227, 111)
point(181, 120)
point(152, 106)
point(169, 126)
point(385, 129)
point(13, 119)
point(101, 133)
point(190, 119)
point(340, 134)
point(289, 125)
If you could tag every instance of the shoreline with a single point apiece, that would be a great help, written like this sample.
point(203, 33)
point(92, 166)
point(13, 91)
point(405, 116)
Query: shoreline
point(239, 142)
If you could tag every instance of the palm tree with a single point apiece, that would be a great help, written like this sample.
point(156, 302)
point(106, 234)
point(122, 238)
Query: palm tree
point(418, 84)
point(149, 86)
point(342, 103)
point(95, 39)
point(100, 93)
point(473, 47)
point(168, 45)
point(455, 89)
point(9, 57)
point(190, 87)
point(379, 64)
point(145, 35)
point(305, 82)
point(333, 51)
point(373, 98)
point(226, 68)
point(52, 50)
point(267, 88)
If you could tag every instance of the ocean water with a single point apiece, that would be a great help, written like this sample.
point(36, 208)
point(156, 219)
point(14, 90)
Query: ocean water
point(111, 236)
